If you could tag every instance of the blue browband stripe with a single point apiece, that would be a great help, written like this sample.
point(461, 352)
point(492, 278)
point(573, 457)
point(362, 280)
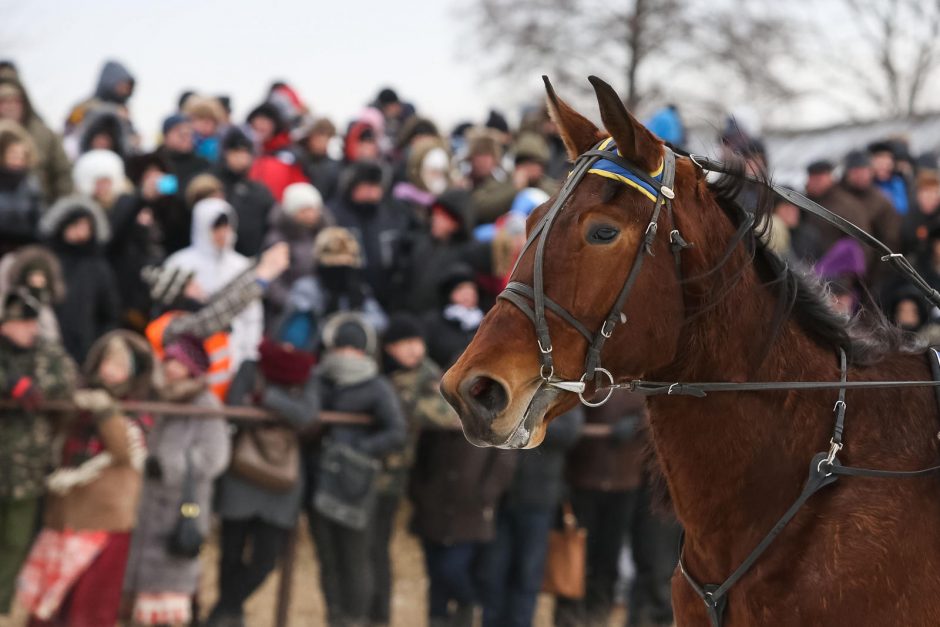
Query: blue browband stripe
point(611, 170)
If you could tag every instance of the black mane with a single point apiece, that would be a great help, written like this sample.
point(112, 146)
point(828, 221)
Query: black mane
point(866, 338)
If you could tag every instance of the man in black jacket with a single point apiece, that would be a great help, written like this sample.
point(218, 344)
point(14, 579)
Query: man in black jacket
point(251, 200)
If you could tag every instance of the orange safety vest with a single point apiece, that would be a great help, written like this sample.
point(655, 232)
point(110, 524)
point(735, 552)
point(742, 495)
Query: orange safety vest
point(216, 347)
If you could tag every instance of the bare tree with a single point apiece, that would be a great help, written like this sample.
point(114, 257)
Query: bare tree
point(900, 51)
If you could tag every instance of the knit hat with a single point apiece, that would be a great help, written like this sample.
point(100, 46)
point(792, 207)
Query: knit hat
point(531, 147)
point(173, 121)
point(270, 111)
point(349, 329)
point(881, 146)
point(166, 282)
point(189, 351)
point(298, 196)
point(402, 326)
point(365, 172)
point(497, 121)
point(454, 276)
point(19, 305)
point(136, 165)
point(236, 139)
point(336, 246)
point(820, 166)
point(387, 96)
point(857, 159)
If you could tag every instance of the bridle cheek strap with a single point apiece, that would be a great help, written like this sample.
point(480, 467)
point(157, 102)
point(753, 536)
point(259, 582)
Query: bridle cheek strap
point(604, 160)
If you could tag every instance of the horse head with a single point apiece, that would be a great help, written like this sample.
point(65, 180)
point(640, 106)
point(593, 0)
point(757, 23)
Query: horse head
point(501, 384)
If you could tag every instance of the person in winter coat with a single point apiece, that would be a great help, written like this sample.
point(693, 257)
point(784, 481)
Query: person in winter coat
point(114, 88)
point(277, 166)
point(887, 176)
point(427, 176)
point(178, 151)
point(182, 449)
point(75, 573)
point(603, 474)
point(282, 382)
point(214, 262)
point(313, 142)
point(103, 130)
point(36, 269)
point(493, 190)
point(99, 175)
point(298, 221)
point(31, 369)
point(515, 562)
point(20, 196)
point(252, 201)
point(450, 328)
point(349, 381)
point(52, 165)
point(207, 115)
point(76, 230)
point(445, 243)
point(416, 380)
point(137, 240)
point(380, 226)
point(336, 286)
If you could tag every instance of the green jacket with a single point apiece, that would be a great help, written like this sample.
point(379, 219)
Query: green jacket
point(26, 437)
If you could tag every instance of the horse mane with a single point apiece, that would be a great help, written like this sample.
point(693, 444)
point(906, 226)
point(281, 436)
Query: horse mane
point(866, 337)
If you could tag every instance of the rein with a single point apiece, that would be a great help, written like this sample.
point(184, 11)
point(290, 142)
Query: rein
point(825, 467)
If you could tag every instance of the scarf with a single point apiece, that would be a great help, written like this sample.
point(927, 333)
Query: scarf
point(345, 370)
point(283, 366)
point(469, 319)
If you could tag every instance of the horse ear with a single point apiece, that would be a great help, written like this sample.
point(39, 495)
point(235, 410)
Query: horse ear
point(578, 132)
point(634, 141)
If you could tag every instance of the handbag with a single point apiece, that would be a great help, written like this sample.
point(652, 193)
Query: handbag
point(267, 457)
point(347, 485)
point(186, 539)
point(565, 564)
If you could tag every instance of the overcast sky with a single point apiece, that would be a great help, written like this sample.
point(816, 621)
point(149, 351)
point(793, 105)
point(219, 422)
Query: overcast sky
point(338, 54)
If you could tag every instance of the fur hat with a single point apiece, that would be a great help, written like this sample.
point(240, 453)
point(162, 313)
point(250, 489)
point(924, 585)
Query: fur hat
point(204, 107)
point(94, 165)
point(201, 187)
point(481, 142)
point(531, 147)
point(336, 246)
point(297, 196)
point(19, 305)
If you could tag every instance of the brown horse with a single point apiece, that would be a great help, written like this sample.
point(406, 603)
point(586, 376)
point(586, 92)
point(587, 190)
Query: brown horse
point(864, 551)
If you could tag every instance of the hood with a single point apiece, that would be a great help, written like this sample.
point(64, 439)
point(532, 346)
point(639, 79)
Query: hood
point(205, 213)
point(335, 321)
point(98, 164)
point(844, 260)
point(112, 73)
point(9, 82)
point(14, 267)
point(141, 383)
point(51, 221)
point(416, 157)
point(103, 120)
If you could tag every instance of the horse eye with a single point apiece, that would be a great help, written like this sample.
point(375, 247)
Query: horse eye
point(603, 234)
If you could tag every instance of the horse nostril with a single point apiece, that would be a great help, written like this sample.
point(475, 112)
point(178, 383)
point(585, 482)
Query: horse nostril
point(487, 394)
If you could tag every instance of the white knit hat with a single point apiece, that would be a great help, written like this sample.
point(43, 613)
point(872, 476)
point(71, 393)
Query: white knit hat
point(300, 195)
point(98, 164)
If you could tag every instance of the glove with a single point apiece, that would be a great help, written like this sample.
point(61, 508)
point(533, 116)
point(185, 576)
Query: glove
point(97, 402)
point(624, 429)
point(153, 469)
point(25, 391)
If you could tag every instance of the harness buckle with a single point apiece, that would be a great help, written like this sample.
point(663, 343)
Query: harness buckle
point(651, 229)
point(836, 406)
point(607, 331)
point(834, 448)
point(551, 372)
point(543, 350)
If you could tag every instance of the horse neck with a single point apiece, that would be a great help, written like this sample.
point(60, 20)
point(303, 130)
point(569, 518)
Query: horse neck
point(730, 459)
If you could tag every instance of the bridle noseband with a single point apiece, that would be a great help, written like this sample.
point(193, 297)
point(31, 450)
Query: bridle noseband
point(604, 160)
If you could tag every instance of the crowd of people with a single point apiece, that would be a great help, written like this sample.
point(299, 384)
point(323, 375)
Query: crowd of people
point(283, 264)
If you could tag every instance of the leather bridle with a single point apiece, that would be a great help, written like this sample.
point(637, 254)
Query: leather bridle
point(605, 160)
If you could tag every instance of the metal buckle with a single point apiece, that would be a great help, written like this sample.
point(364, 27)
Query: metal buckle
point(692, 158)
point(605, 331)
point(575, 387)
point(551, 372)
point(610, 390)
point(834, 448)
point(836, 406)
point(545, 351)
point(651, 229)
